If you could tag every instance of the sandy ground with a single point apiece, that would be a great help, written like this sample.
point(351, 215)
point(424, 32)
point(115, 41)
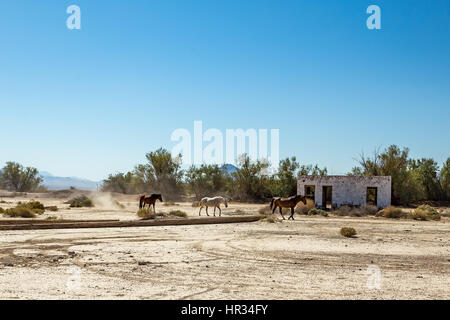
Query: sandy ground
point(302, 259)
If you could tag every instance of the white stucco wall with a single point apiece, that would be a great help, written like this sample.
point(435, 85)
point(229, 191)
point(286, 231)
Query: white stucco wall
point(348, 189)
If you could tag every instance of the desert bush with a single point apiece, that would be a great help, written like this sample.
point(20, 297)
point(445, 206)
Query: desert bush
point(425, 212)
point(81, 201)
point(315, 211)
point(178, 213)
point(146, 213)
point(22, 212)
point(195, 204)
point(370, 210)
point(2, 210)
point(51, 208)
point(52, 218)
point(343, 211)
point(269, 219)
point(265, 210)
point(348, 232)
point(304, 208)
point(170, 203)
point(391, 212)
point(33, 205)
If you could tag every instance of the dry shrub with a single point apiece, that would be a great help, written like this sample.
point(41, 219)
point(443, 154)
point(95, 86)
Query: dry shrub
point(269, 219)
point(170, 203)
point(2, 210)
point(424, 213)
point(196, 204)
point(51, 208)
point(81, 201)
point(315, 211)
point(348, 232)
point(22, 212)
point(302, 208)
point(178, 213)
point(391, 212)
point(343, 211)
point(146, 213)
point(265, 210)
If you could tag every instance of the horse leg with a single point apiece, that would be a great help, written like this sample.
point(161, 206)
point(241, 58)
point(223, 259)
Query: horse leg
point(220, 211)
point(215, 211)
point(207, 211)
point(154, 210)
point(292, 213)
point(200, 210)
point(274, 208)
point(281, 212)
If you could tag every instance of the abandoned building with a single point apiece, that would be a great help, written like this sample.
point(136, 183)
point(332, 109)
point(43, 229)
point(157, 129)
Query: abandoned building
point(335, 191)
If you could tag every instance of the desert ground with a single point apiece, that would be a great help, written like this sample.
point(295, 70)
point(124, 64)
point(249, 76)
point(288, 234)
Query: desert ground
point(302, 259)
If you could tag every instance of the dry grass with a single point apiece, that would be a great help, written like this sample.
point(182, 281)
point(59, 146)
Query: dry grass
point(346, 210)
point(178, 213)
point(170, 203)
point(196, 204)
point(315, 211)
point(302, 208)
point(392, 213)
point(265, 210)
point(425, 213)
point(146, 213)
point(19, 212)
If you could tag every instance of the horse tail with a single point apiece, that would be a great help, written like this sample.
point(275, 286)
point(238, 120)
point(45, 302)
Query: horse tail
point(271, 203)
point(140, 201)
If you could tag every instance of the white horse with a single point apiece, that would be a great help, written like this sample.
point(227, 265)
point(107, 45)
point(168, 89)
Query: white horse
point(209, 202)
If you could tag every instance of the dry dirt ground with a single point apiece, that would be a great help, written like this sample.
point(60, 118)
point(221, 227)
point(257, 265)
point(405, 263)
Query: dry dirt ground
point(301, 259)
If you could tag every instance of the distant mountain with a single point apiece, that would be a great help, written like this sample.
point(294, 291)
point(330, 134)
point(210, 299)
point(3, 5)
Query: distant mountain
point(229, 168)
point(52, 182)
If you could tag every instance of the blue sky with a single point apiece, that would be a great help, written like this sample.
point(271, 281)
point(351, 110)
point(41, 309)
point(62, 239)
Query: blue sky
point(93, 101)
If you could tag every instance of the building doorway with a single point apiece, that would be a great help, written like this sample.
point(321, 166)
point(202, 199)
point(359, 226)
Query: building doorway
point(310, 192)
point(371, 196)
point(327, 197)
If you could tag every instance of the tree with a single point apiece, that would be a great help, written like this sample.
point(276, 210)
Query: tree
point(444, 180)
point(15, 177)
point(250, 179)
point(406, 185)
point(161, 174)
point(426, 171)
point(120, 182)
point(206, 180)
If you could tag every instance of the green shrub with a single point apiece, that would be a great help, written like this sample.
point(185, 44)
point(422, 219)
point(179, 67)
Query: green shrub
point(146, 213)
point(81, 201)
point(2, 210)
point(424, 213)
point(178, 213)
point(391, 212)
point(315, 211)
point(348, 232)
point(33, 205)
point(51, 208)
point(22, 212)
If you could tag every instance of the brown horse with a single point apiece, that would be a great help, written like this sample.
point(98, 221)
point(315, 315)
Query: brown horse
point(150, 200)
point(290, 202)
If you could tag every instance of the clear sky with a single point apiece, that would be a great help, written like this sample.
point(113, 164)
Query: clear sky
point(93, 101)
